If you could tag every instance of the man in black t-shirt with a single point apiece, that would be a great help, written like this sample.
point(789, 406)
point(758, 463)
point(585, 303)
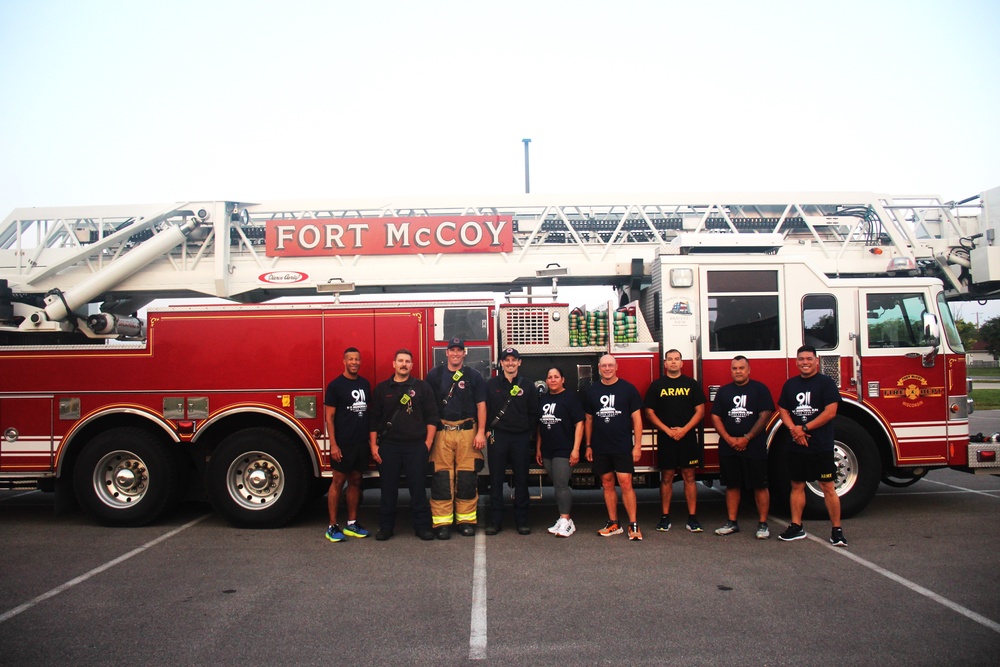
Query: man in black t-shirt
point(675, 405)
point(346, 415)
point(613, 435)
point(808, 406)
point(740, 414)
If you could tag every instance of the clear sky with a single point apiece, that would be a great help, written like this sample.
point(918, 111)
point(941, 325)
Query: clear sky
point(136, 101)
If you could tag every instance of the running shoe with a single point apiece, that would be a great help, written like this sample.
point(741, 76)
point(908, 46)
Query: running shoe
point(355, 530)
point(557, 526)
point(793, 532)
point(335, 534)
point(568, 528)
point(664, 524)
point(633, 532)
point(612, 528)
point(763, 532)
point(729, 528)
point(693, 525)
point(837, 538)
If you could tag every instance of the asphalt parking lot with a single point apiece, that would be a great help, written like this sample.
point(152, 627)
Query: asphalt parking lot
point(919, 585)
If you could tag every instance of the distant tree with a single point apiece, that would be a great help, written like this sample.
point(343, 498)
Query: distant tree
point(968, 333)
point(989, 333)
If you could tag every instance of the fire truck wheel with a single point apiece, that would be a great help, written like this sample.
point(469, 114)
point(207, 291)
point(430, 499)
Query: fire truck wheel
point(859, 470)
point(258, 478)
point(125, 477)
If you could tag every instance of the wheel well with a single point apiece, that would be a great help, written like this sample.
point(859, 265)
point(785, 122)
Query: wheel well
point(875, 428)
point(862, 418)
point(71, 451)
point(213, 434)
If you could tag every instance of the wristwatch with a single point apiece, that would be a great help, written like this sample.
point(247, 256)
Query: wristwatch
point(805, 428)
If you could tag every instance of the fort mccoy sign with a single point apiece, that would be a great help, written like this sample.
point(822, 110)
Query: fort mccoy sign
point(314, 237)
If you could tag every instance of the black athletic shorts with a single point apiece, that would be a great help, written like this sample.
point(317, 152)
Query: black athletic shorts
point(672, 454)
point(355, 458)
point(605, 463)
point(739, 472)
point(809, 466)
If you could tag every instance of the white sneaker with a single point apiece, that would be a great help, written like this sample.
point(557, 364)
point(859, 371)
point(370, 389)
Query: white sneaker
point(557, 526)
point(568, 528)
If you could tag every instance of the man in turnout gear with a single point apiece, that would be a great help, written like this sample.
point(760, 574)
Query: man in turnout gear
point(457, 454)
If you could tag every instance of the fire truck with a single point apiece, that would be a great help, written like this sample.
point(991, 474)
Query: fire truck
point(124, 394)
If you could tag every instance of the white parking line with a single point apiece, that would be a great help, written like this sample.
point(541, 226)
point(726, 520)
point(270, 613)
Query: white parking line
point(954, 606)
point(477, 636)
point(962, 488)
point(7, 615)
point(20, 495)
point(916, 588)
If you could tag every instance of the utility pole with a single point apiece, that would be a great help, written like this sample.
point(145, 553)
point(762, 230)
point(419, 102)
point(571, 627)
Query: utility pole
point(527, 182)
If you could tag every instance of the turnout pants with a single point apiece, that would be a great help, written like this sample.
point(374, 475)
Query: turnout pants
point(455, 485)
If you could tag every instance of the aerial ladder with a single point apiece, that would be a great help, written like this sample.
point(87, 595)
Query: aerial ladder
point(86, 271)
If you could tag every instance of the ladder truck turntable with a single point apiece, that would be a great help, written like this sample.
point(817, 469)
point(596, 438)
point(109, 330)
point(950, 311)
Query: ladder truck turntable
point(126, 414)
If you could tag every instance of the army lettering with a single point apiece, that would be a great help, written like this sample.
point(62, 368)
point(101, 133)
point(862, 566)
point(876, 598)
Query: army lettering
point(675, 391)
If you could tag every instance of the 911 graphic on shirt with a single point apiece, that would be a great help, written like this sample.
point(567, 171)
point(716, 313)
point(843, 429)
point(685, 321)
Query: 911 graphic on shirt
point(608, 411)
point(804, 410)
point(548, 418)
point(739, 410)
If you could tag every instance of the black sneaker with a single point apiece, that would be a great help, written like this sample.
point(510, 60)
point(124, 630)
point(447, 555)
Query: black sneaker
point(383, 534)
point(664, 524)
point(793, 532)
point(837, 538)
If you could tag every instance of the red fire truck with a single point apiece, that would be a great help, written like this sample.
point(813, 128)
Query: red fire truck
point(125, 409)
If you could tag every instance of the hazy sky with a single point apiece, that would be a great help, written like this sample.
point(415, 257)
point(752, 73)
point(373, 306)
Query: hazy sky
point(117, 102)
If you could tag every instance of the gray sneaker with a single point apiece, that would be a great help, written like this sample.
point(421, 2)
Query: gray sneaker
point(728, 529)
point(763, 532)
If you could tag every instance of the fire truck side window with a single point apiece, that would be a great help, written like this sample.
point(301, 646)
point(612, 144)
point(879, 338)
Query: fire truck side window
point(819, 321)
point(465, 323)
point(737, 320)
point(895, 320)
point(476, 358)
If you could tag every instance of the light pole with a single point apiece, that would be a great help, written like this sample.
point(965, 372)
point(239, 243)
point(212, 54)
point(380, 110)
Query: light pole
point(527, 182)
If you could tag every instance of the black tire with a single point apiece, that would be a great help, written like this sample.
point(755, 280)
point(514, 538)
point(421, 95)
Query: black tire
point(126, 476)
point(258, 478)
point(859, 470)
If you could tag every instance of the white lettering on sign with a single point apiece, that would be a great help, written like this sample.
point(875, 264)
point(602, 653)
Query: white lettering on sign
point(397, 235)
point(472, 234)
point(440, 234)
point(384, 236)
point(309, 236)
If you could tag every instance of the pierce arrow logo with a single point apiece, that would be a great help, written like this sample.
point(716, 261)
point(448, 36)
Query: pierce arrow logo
point(282, 277)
